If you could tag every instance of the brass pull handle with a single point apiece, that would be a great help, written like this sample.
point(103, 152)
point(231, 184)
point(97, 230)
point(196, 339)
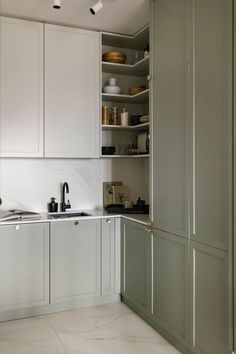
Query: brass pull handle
point(108, 221)
point(76, 223)
point(17, 227)
point(148, 227)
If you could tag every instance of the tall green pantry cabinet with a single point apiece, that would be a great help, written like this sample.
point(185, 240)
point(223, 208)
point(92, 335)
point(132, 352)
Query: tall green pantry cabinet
point(192, 173)
point(177, 272)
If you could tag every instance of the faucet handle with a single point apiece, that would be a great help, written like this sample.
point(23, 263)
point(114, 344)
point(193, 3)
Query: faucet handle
point(68, 206)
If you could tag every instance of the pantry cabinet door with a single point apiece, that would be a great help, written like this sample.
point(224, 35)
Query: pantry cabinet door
point(21, 88)
point(71, 92)
point(170, 102)
point(210, 300)
point(170, 285)
point(212, 123)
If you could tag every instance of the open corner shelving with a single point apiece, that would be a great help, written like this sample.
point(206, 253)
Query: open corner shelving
point(129, 74)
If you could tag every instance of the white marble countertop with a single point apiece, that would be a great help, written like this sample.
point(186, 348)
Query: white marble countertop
point(93, 214)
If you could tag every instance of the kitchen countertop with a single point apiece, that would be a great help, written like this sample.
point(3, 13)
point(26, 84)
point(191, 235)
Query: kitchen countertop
point(94, 214)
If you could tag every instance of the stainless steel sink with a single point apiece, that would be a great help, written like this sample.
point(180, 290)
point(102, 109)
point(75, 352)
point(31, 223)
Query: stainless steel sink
point(67, 215)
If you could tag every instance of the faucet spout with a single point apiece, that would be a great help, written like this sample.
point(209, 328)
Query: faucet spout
point(65, 189)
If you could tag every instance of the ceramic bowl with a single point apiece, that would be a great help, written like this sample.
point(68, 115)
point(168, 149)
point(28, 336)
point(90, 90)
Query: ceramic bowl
point(114, 90)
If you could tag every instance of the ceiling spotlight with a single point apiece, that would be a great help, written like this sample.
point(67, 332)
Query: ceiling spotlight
point(98, 6)
point(57, 4)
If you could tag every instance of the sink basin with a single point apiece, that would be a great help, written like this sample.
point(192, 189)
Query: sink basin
point(67, 215)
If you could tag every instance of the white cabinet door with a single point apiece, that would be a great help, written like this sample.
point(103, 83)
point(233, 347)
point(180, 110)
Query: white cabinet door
point(71, 92)
point(75, 260)
point(21, 88)
point(24, 270)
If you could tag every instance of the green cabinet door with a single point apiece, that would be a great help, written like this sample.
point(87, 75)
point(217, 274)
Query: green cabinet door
point(170, 287)
point(24, 270)
point(108, 256)
point(75, 260)
point(134, 265)
point(171, 115)
point(210, 299)
point(212, 123)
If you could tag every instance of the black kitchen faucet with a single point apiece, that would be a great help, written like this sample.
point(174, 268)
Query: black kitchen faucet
point(64, 205)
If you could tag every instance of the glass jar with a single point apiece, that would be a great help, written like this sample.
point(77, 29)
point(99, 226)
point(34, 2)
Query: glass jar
point(115, 116)
point(105, 115)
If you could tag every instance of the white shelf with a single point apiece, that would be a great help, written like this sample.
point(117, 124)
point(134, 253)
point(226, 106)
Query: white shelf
point(126, 156)
point(142, 97)
point(141, 68)
point(138, 41)
point(143, 126)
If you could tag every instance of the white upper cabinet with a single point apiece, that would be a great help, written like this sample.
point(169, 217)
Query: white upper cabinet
point(21, 88)
point(71, 92)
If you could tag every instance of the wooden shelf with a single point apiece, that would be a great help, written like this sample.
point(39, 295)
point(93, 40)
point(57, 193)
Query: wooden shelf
point(142, 97)
point(126, 156)
point(141, 68)
point(143, 126)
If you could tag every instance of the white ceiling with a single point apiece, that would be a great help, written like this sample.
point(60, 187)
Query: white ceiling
point(120, 16)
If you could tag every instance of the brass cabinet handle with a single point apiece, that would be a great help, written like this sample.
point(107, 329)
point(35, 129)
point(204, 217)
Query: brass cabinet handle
point(108, 221)
point(17, 227)
point(148, 227)
point(76, 222)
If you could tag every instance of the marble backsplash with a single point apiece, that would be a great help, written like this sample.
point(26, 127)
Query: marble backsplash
point(29, 183)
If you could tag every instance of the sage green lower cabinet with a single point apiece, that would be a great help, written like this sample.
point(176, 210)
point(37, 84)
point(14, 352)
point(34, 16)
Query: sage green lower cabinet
point(170, 285)
point(24, 271)
point(210, 304)
point(134, 265)
point(110, 256)
point(75, 260)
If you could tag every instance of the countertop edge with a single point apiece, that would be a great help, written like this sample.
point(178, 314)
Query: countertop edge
point(139, 218)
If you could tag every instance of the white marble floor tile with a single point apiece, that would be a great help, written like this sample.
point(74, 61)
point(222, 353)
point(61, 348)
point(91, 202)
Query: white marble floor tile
point(109, 329)
point(29, 336)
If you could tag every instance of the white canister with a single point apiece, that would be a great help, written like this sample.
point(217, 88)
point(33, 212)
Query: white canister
point(124, 117)
point(112, 81)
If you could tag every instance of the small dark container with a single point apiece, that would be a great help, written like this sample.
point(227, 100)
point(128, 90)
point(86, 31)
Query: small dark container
point(140, 203)
point(108, 150)
point(53, 206)
point(135, 120)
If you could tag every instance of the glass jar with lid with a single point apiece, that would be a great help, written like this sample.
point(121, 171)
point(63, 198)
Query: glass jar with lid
point(115, 115)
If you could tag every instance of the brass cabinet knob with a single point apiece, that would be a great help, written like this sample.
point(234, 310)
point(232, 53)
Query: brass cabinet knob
point(17, 227)
point(108, 221)
point(76, 222)
point(148, 227)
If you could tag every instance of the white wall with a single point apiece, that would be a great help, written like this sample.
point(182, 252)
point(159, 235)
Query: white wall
point(29, 183)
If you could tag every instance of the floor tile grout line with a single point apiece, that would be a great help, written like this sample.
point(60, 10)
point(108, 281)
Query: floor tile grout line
point(57, 335)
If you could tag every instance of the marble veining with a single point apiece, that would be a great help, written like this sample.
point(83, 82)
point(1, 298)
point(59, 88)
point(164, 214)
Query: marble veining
point(106, 329)
point(29, 183)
